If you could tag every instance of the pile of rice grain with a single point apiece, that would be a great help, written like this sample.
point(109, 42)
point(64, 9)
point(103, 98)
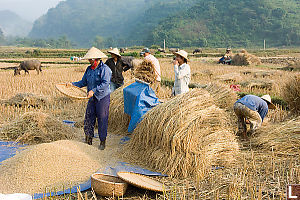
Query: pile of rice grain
point(47, 166)
point(35, 128)
point(185, 136)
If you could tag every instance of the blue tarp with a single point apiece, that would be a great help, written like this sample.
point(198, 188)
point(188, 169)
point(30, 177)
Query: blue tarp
point(139, 98)
point(8, 149)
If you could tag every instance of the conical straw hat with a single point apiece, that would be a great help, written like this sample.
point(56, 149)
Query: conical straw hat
point(182, 53)
point(115, 51)
point(94, 53)
point(268, 99)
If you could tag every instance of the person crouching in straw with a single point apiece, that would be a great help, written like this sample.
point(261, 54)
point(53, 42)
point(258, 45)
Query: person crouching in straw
point(97, 79)
point(182, 73)
point(251, 109)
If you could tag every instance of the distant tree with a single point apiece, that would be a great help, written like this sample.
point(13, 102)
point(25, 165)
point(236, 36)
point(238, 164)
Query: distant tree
point(2, 38)
point(98, 42)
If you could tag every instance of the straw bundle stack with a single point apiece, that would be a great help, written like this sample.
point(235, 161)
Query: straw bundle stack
point(145, 72)
point(224, 96)
point(245, 58)
point(26, 99)
point(291, 93)
point(284, 138)
point(184, 136)
point(117, 120)
point(35, 128)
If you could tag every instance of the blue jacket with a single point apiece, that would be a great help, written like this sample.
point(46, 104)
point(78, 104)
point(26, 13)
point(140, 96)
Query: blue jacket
point(97, 80)
point(255, 103)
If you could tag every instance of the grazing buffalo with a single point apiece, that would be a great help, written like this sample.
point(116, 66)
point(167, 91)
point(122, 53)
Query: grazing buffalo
point(28, 65)
point(161, 50)
point(197, 51)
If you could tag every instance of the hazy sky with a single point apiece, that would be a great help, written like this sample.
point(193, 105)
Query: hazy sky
point(28, 9)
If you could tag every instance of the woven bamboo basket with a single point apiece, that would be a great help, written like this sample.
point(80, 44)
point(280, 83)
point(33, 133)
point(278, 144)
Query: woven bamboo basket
point(107, 185)
point(71, 91)
point(142, 181)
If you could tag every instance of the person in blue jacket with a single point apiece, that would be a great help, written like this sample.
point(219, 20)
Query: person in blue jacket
point(251, 109)
point(97, 79)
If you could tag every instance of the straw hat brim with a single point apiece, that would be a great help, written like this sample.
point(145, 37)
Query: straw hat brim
point(117, 54)
point(270, 104)
point(142, 181)
point(178, 53)
point(71, 91)
point(94, 53)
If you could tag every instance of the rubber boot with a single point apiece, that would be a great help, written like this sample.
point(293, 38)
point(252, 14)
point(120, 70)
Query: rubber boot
point(102, 145)
point(88, 140)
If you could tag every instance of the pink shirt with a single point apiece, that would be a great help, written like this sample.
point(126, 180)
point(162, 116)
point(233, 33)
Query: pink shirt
point(156, 65)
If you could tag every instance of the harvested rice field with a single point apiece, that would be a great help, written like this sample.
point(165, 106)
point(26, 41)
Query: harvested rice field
point(191, 138)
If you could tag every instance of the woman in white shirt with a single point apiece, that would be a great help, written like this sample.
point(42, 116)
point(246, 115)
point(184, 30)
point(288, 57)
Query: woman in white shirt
point(182, 73)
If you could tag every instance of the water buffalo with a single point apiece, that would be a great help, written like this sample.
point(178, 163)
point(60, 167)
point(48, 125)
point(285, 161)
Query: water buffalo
point(161, 50)
point(28, 65)
point(197, 51)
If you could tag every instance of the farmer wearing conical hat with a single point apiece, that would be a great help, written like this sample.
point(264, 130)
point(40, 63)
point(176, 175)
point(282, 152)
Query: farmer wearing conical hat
point(182, 73)
point(96, 78)
point(117, 67)
point(251, 109)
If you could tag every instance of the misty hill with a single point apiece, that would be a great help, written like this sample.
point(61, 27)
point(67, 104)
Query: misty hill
point(182, 23)
point(13, 25)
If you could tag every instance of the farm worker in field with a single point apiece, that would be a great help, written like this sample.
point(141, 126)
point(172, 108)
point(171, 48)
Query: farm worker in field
point(148, 56)
point(117, 67)
point(182, 73)
point(226, 59)
point(97, 78)
point(251, 109)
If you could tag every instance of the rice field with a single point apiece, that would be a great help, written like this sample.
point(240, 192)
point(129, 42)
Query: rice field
point(261, 167)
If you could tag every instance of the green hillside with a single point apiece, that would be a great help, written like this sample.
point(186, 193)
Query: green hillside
point(214, 23)
point(233, 23)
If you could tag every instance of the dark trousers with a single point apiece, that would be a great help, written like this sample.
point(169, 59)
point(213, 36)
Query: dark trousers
point(100, 110)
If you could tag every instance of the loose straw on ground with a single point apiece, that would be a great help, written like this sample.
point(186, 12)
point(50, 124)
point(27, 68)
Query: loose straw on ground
point(35, 128)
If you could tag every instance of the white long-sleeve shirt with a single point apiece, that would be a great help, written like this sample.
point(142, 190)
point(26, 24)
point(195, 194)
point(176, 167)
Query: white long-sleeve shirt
point(182, 78)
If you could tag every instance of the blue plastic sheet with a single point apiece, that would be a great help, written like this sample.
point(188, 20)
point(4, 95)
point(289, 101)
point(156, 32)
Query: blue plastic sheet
point(139, 98)
point(8, 149)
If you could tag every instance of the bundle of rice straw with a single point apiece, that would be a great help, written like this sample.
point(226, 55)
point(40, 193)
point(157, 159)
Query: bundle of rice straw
point(244, 58)
point(256, 83)
point(291, 93)
point(26, 99)
point(145, 72)
point(118, 121)
point(232, 77)
point(184, 136)
point(224, 96)
point(50, 166)
point(35, 128)
point(283, 138)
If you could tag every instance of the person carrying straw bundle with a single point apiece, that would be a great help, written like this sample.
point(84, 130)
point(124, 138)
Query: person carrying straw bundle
point(251, 109)
point(97, 78)
point(182, 73)
point(149, 57)
point(117, 67)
